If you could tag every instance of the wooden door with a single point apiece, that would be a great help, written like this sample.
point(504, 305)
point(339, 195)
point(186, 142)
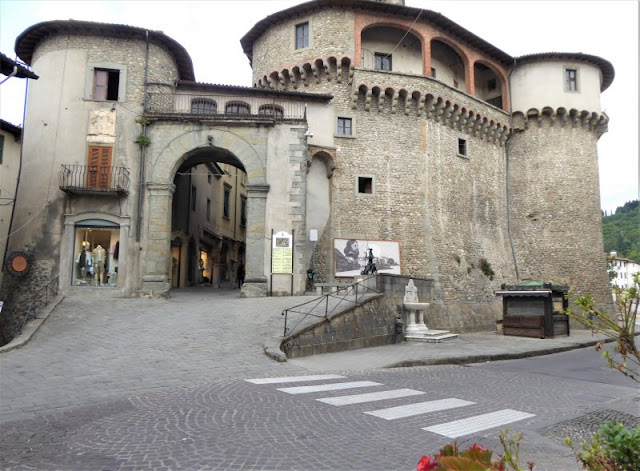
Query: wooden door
point(99, 167)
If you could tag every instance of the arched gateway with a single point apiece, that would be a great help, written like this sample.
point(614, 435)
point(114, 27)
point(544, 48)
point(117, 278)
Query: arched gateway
point(201, 146)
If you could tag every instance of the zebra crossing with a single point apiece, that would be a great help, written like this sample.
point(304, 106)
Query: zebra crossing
point(452, 429)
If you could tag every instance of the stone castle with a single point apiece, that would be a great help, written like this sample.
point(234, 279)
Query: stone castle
point(368, 120)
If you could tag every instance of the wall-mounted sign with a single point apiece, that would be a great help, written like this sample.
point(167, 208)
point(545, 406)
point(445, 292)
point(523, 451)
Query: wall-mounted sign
point(282, 253)
point(18, 263)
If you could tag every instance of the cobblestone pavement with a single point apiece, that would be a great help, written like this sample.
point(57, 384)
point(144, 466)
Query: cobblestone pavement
point(130, 384)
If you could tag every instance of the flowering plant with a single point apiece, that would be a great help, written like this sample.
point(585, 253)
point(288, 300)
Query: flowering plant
point(476, 458)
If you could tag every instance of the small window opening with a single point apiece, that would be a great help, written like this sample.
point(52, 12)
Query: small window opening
point(491, 84)
point(383, 61)
point(571, 80)
point(462, 147)
point(105, 84)
point(365, 185)
point(302, 35)
point(227, 199)
point(345, 127)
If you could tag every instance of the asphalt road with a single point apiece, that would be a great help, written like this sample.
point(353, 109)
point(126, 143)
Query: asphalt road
point(164, 385)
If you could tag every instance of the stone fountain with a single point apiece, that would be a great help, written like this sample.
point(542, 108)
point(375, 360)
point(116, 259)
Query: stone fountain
point(416, 328)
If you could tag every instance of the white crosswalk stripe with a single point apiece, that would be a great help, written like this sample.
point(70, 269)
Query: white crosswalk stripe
point(369, 397)
point(459, 428)
point(328, 387)
point(418, 408)
point(293, 379)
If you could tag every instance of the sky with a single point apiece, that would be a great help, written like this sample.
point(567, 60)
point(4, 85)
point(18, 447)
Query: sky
point(211, 31)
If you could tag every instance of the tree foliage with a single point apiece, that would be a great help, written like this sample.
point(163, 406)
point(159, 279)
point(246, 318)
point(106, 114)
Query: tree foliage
point(621, 231)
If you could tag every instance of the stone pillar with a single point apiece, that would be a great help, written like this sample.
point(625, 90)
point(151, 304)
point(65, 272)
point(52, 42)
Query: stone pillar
point(255, 282)
point(157, 254)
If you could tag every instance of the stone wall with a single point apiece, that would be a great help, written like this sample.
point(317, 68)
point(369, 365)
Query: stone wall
point(368, 325)
point(555, 206)
point(18, 293)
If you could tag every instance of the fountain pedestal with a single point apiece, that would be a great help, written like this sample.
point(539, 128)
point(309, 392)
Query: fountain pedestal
point(414, 312)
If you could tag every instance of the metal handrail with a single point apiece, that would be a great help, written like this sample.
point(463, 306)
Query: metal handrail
point(206, 106)
point(41, 299)
point(94, 178)
point(358, 290)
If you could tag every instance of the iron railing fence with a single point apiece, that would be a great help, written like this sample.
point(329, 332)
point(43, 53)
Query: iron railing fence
point(40, 299)
point(224, 106)
point(327, 306)
point(94, 178)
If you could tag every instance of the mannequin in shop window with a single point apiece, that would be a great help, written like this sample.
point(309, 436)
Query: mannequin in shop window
point(99, 256)
point(81, 261)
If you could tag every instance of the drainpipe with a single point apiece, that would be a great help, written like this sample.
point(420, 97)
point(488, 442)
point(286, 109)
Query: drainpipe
point(506, 157)
point(15, 194)
point(143, 152)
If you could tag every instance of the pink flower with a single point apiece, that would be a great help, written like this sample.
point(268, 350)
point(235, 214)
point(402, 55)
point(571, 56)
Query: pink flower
point(427, 463)
point(478, 447)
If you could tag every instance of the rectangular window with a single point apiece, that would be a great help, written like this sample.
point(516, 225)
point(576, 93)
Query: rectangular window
point(193, 198)
point(1, 147)
point(365, 185)
point(302, 35)
point(571, 80)
point(227, 199)
point(433, 72)
point(208, 209)
point(344, 127)
point(462, 147)
point(243, 211)
point(105, 84)
point(99, 167)
point(383, 61)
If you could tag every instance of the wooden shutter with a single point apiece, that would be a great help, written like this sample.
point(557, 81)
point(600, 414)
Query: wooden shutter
point(99, 167)
point(100, 83)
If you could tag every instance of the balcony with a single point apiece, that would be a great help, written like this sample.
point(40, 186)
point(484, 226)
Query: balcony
point(94, 180)
point(224, 107)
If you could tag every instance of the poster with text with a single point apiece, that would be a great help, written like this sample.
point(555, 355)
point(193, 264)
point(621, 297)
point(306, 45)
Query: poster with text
point(350, 256)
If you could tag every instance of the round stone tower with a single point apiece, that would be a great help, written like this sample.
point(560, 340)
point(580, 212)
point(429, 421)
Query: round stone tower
point(554, 198)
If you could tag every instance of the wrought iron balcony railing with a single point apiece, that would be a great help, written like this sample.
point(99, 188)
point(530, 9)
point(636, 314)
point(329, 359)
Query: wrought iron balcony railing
point(213, 107)
point(94, 179)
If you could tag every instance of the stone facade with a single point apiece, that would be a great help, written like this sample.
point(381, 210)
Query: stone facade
point(476, 192)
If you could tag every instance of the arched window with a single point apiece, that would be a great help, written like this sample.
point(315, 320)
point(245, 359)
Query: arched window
point(238, 108)
point(273, 111)
point(203, 106)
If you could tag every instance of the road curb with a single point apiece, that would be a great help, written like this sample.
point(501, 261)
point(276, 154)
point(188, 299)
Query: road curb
point(493, 357)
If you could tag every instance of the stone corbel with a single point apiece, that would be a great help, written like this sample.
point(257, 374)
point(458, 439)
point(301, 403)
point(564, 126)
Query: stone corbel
point(394, 101)
point(367, 99)
point(420, 107)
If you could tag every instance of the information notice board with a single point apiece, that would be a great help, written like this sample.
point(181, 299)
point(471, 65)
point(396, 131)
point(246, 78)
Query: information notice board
point(282, 253)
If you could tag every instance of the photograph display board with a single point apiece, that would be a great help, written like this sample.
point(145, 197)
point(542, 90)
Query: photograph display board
point(282, 253)
point(350, 256)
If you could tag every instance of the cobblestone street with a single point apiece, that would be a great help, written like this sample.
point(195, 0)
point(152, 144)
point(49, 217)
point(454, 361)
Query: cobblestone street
point(114, 384)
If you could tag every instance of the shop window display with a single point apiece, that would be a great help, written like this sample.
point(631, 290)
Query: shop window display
point(97, 254)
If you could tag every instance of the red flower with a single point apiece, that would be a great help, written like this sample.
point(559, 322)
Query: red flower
point(427, 463)
point(478, 447)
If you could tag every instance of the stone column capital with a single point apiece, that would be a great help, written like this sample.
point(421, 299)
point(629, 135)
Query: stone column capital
point(257, 191)
point(160, 189)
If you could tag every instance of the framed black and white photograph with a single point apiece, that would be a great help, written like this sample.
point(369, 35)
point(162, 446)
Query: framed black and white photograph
point(350, 256)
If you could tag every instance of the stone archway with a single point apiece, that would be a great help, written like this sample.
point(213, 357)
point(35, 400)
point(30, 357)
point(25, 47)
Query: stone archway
point(164, 163)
